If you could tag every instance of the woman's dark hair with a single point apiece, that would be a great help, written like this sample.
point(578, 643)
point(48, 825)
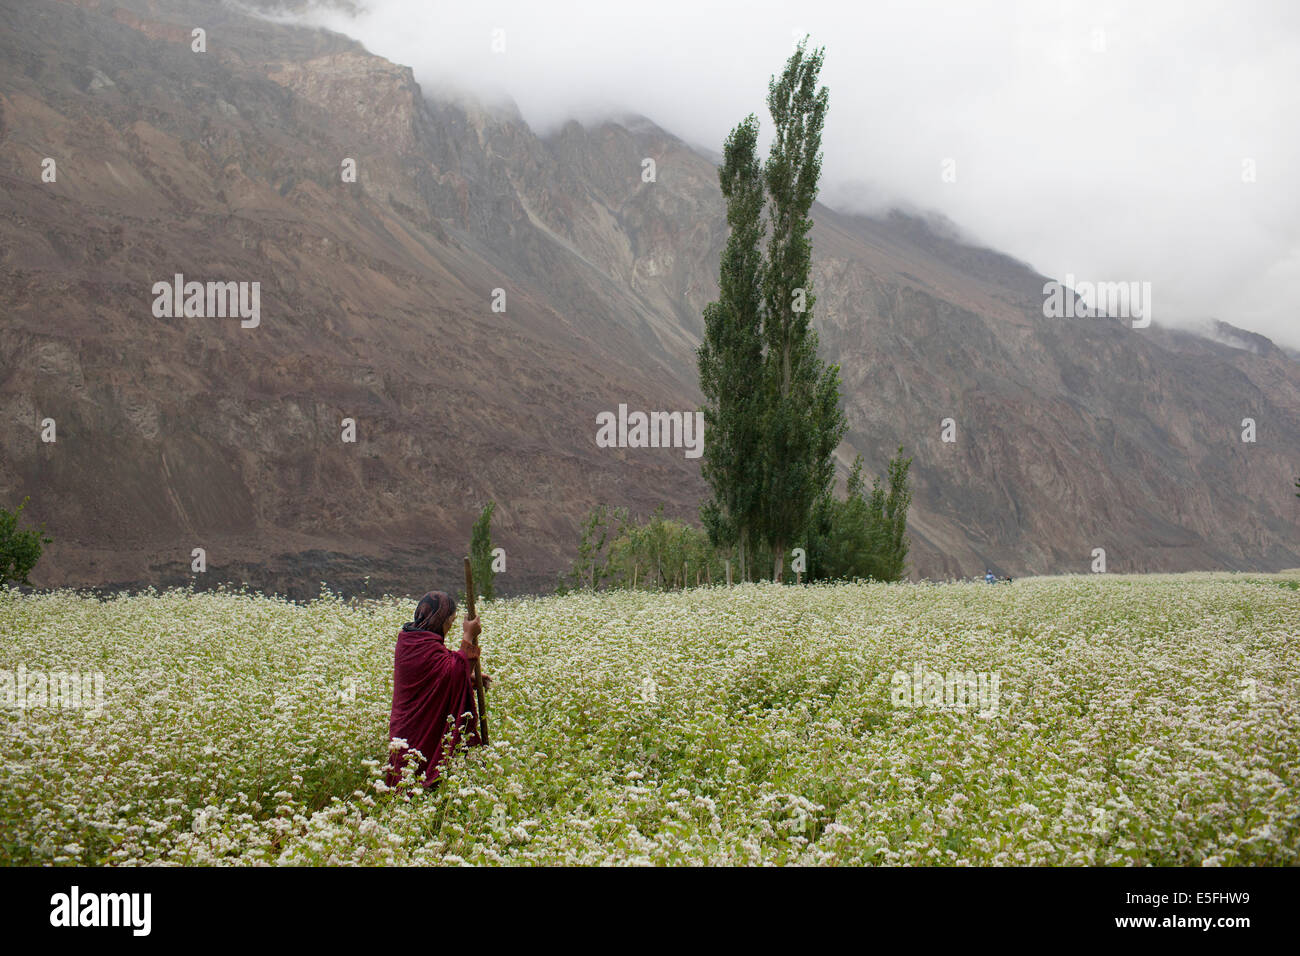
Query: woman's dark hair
point(432, 613)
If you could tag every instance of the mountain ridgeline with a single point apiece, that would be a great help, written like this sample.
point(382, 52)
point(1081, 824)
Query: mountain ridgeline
point(478, 297)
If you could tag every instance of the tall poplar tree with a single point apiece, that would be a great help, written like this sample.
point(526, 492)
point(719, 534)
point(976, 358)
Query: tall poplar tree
point(731, 357)
point(803, 422)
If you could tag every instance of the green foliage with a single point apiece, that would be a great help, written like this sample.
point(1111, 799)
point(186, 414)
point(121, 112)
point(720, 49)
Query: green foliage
point(889, 512)
point(840, 545)
point(803, 421)
point(659, 553)
point(772, 415)
point(865, 535)
point(480, 552)
point(19, 550)
point(592, 568)
point(731, 355)
point(664, 554)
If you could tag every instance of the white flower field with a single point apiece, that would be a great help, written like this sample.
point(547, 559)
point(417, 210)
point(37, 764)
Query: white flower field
point(1135, 720)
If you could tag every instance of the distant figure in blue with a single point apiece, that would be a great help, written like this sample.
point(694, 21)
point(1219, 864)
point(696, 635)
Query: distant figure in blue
point(988, 576)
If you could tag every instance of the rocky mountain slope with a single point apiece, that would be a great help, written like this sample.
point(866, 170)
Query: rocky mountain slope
point(377, 305)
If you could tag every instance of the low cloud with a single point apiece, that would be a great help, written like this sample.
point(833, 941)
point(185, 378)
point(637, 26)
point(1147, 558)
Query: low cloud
point(1105, 140)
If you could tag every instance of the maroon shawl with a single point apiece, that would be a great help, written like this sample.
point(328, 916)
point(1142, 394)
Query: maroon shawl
point(430, 684)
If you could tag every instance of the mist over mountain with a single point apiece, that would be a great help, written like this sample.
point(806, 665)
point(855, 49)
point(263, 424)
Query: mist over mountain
point(1109, 142)
point(177, 433)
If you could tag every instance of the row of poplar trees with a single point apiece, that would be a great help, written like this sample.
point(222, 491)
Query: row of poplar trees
point(772, 414)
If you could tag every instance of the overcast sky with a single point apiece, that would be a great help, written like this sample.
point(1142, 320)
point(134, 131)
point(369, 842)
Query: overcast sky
point(1104, 140)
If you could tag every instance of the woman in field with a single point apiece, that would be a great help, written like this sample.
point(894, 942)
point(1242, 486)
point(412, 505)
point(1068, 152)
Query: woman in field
point(433, 688)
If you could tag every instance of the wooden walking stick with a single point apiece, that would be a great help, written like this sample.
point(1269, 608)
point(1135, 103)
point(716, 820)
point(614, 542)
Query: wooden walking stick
point(478, 670)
